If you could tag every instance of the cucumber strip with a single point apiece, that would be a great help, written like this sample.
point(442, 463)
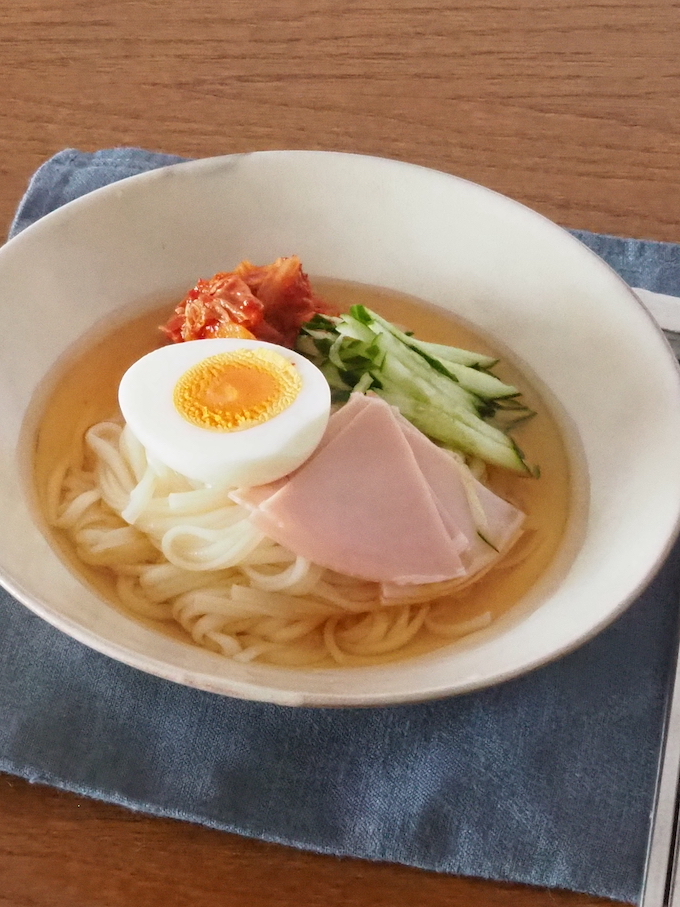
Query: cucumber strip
point(472, 442)
point(334, 352)
point(447, 428)
point(393, 371)
point(436, 350)
point(359, 349)
point(471, 419)
point(477, 382)
point(363, 384)
point(507, 425)
point(453, 354)
point(305, 345)
point(350, 327)
point(321, 335)
point(484, 428)
point(481, 383)
point(513, 404)
point(333, 376)
point(446, 392)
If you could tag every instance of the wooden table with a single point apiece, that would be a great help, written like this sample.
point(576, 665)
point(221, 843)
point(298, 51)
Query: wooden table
point(569, 106)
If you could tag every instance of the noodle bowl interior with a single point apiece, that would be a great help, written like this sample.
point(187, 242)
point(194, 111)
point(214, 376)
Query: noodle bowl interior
point(187, 561)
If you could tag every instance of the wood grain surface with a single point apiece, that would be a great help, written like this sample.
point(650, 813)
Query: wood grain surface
point(571, 107)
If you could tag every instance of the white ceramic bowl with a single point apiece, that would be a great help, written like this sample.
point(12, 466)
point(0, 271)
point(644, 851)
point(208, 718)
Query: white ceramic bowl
point(517, 276)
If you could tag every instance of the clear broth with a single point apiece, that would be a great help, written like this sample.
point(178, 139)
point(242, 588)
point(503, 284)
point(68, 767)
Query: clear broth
point(85, 392)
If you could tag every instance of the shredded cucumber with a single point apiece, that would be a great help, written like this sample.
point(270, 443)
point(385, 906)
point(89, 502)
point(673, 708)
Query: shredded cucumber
point(448, 393)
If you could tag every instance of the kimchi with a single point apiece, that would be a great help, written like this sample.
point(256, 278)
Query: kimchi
point(268, 302)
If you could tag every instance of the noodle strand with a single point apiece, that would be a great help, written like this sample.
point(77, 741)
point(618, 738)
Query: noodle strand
point(190, 555)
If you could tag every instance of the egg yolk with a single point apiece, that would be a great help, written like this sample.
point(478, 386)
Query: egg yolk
point(237, 390)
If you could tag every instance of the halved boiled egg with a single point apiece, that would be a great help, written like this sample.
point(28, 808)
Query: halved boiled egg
point(226, 411)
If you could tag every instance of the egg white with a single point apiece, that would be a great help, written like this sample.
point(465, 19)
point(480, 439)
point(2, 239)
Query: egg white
point(251, 456)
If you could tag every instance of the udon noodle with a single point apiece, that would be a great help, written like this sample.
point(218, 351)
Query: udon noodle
point(187, 553)
point(185, 560)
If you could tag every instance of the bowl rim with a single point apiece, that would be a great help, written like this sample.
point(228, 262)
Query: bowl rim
point(250, 690)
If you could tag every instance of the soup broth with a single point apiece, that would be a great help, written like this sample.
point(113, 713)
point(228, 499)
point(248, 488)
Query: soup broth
point(85, 392)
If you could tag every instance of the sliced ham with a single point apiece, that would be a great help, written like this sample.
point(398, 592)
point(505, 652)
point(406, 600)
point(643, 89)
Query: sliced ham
point(379, 501)
point(356, 404)
point(256, 495)
point(451, 499)
point(345, 510)
point(463, 500)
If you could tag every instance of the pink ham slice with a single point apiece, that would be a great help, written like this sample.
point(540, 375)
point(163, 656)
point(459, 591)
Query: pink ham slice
point(500, 520)
point(356, 404)
point(345, 510)
point(379, 501)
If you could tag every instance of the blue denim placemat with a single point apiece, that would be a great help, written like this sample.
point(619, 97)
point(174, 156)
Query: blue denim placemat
point(548, 779)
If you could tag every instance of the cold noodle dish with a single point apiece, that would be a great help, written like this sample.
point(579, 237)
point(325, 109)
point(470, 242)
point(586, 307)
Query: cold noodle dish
point(303, 473)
